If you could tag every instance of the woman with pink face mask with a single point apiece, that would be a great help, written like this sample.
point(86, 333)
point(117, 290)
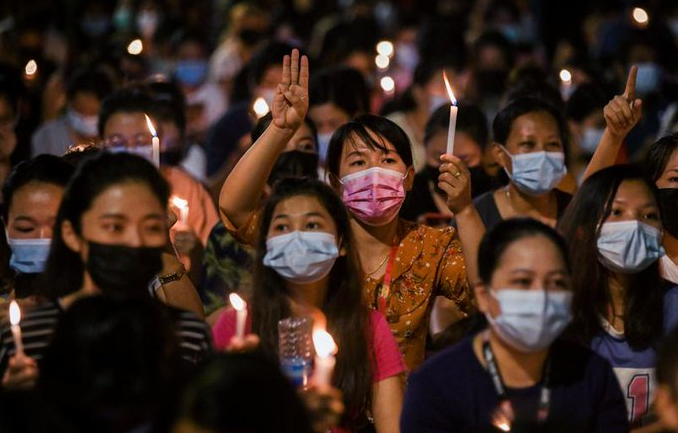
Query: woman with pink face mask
point(405, 265)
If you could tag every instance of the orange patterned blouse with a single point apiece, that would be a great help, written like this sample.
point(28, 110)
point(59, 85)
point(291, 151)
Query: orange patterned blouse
point(428, 263)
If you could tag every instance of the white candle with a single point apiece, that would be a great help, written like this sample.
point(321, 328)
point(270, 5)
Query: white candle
point(324, 361)
point(452, 129)
point(14, 319)
point(155, 142)
point(240, 307)
point(182, 205)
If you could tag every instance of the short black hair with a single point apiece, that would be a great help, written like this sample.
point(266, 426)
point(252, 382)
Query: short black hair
point(586, 99)
point(43, 168)
point(504, 234)
point(470, 119)
point(342, 86)
point(90, 79)
point(503, 122)
point(269, 55)
point(133, 99)
point(169, 103)
point(383, 128)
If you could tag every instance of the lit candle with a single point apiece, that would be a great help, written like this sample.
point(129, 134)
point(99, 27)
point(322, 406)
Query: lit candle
point(240, 307)
point(260, 107)
point(453, 117)
point(14, 319)
point(182, 205)
point(324, 360)
point(155, 141)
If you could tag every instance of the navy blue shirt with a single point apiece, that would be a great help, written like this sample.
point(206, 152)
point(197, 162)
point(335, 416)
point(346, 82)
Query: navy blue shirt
point(452, 392)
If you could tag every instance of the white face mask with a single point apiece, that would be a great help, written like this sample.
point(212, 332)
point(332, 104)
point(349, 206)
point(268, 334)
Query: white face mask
point(86, 126)
point(145, 152)
point(530, 320)
point(302, 257)
point(591, 139)
point(629, 246)
point(435, 101)
point(324, 146)
point(536, 173)
point(147, 22)
point(267, 95)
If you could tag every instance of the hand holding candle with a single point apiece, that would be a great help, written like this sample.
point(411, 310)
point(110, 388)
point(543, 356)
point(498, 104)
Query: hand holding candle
point(325, 348)
point(155, 141)
point(240, 307)
point(14, 319)
point(451, 131)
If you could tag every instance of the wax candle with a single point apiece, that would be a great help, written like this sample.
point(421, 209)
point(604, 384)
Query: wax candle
point(14, 319)
point(324, 362)
point(155, 141)
point(452, 128)
point(182, 205)
point(240, 307)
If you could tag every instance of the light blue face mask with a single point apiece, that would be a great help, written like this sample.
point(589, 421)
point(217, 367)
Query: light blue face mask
point(591, 139)
point(302, 257)
point(629, 246)
point(530, 320)
point(536, 173)
point(191, 72)
point(145, 152)
point(324, 146)
point(647, 79)
point(29, 256)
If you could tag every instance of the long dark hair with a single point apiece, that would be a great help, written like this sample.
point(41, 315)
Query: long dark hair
point(580, 226)
point(65, 269)
point(659, 154)
point(347, 317)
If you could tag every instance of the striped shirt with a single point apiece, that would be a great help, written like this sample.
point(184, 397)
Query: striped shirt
point(39, 323)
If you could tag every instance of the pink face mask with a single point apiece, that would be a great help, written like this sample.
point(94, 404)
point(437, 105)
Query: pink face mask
point(375, 195)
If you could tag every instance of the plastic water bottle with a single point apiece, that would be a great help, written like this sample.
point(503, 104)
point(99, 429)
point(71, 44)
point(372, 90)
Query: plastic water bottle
point(295, 348)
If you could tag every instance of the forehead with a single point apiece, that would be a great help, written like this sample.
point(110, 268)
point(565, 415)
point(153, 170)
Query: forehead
point(126, 124)
point(632, 190)
point(300, 205)
point(533, 252)
point(34, 196)
point(536, 122)
point(357, 143)
point(128, 198)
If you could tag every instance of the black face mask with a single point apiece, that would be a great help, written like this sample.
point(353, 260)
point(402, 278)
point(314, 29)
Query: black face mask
point(294, 164)
point(668, 206)
point(118, 269)
point(171, 157)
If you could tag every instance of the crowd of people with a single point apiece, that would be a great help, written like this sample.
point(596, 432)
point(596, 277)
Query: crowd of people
point(477, 201)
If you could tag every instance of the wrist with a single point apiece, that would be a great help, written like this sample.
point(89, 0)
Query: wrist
point(466, 211)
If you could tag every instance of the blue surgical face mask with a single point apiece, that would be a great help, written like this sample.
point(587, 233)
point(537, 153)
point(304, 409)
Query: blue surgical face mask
point(536, 173)
point(530, 320)
point(302, 257)
point(647, 79)
point(145, 152)
point(191, 72)
point(86, 126)
point(29, 256)
point(324, 146)
point(629, 246)
point(591, 139)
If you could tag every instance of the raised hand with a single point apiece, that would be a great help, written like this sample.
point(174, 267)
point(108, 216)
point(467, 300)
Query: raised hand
point(623, 112)
point(291, 99)
point(455, 180)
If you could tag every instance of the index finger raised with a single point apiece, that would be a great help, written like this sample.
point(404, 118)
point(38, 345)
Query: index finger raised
point(630, 90)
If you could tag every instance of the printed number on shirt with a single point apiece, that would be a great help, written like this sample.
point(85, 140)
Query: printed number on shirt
point(638, 391)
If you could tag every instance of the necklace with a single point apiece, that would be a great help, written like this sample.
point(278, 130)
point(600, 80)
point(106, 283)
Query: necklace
point(369, 274)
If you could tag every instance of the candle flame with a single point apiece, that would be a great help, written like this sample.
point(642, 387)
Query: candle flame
point(179, 202)
point(14, 313)
point(501, 421)
point(135, 47)
point(151, 128)
point(237, 302)
point(31, 67)
point(260, 107)
point(323, 343)
point(450, 93)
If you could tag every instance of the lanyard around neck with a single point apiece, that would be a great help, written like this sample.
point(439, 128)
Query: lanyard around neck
point(384, 293)
point(493, 369)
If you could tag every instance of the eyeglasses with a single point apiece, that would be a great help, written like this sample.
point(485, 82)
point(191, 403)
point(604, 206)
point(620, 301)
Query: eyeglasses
point(118, 140)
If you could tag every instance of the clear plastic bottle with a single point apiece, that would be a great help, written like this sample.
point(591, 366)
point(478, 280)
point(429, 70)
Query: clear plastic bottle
point(295, 349)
